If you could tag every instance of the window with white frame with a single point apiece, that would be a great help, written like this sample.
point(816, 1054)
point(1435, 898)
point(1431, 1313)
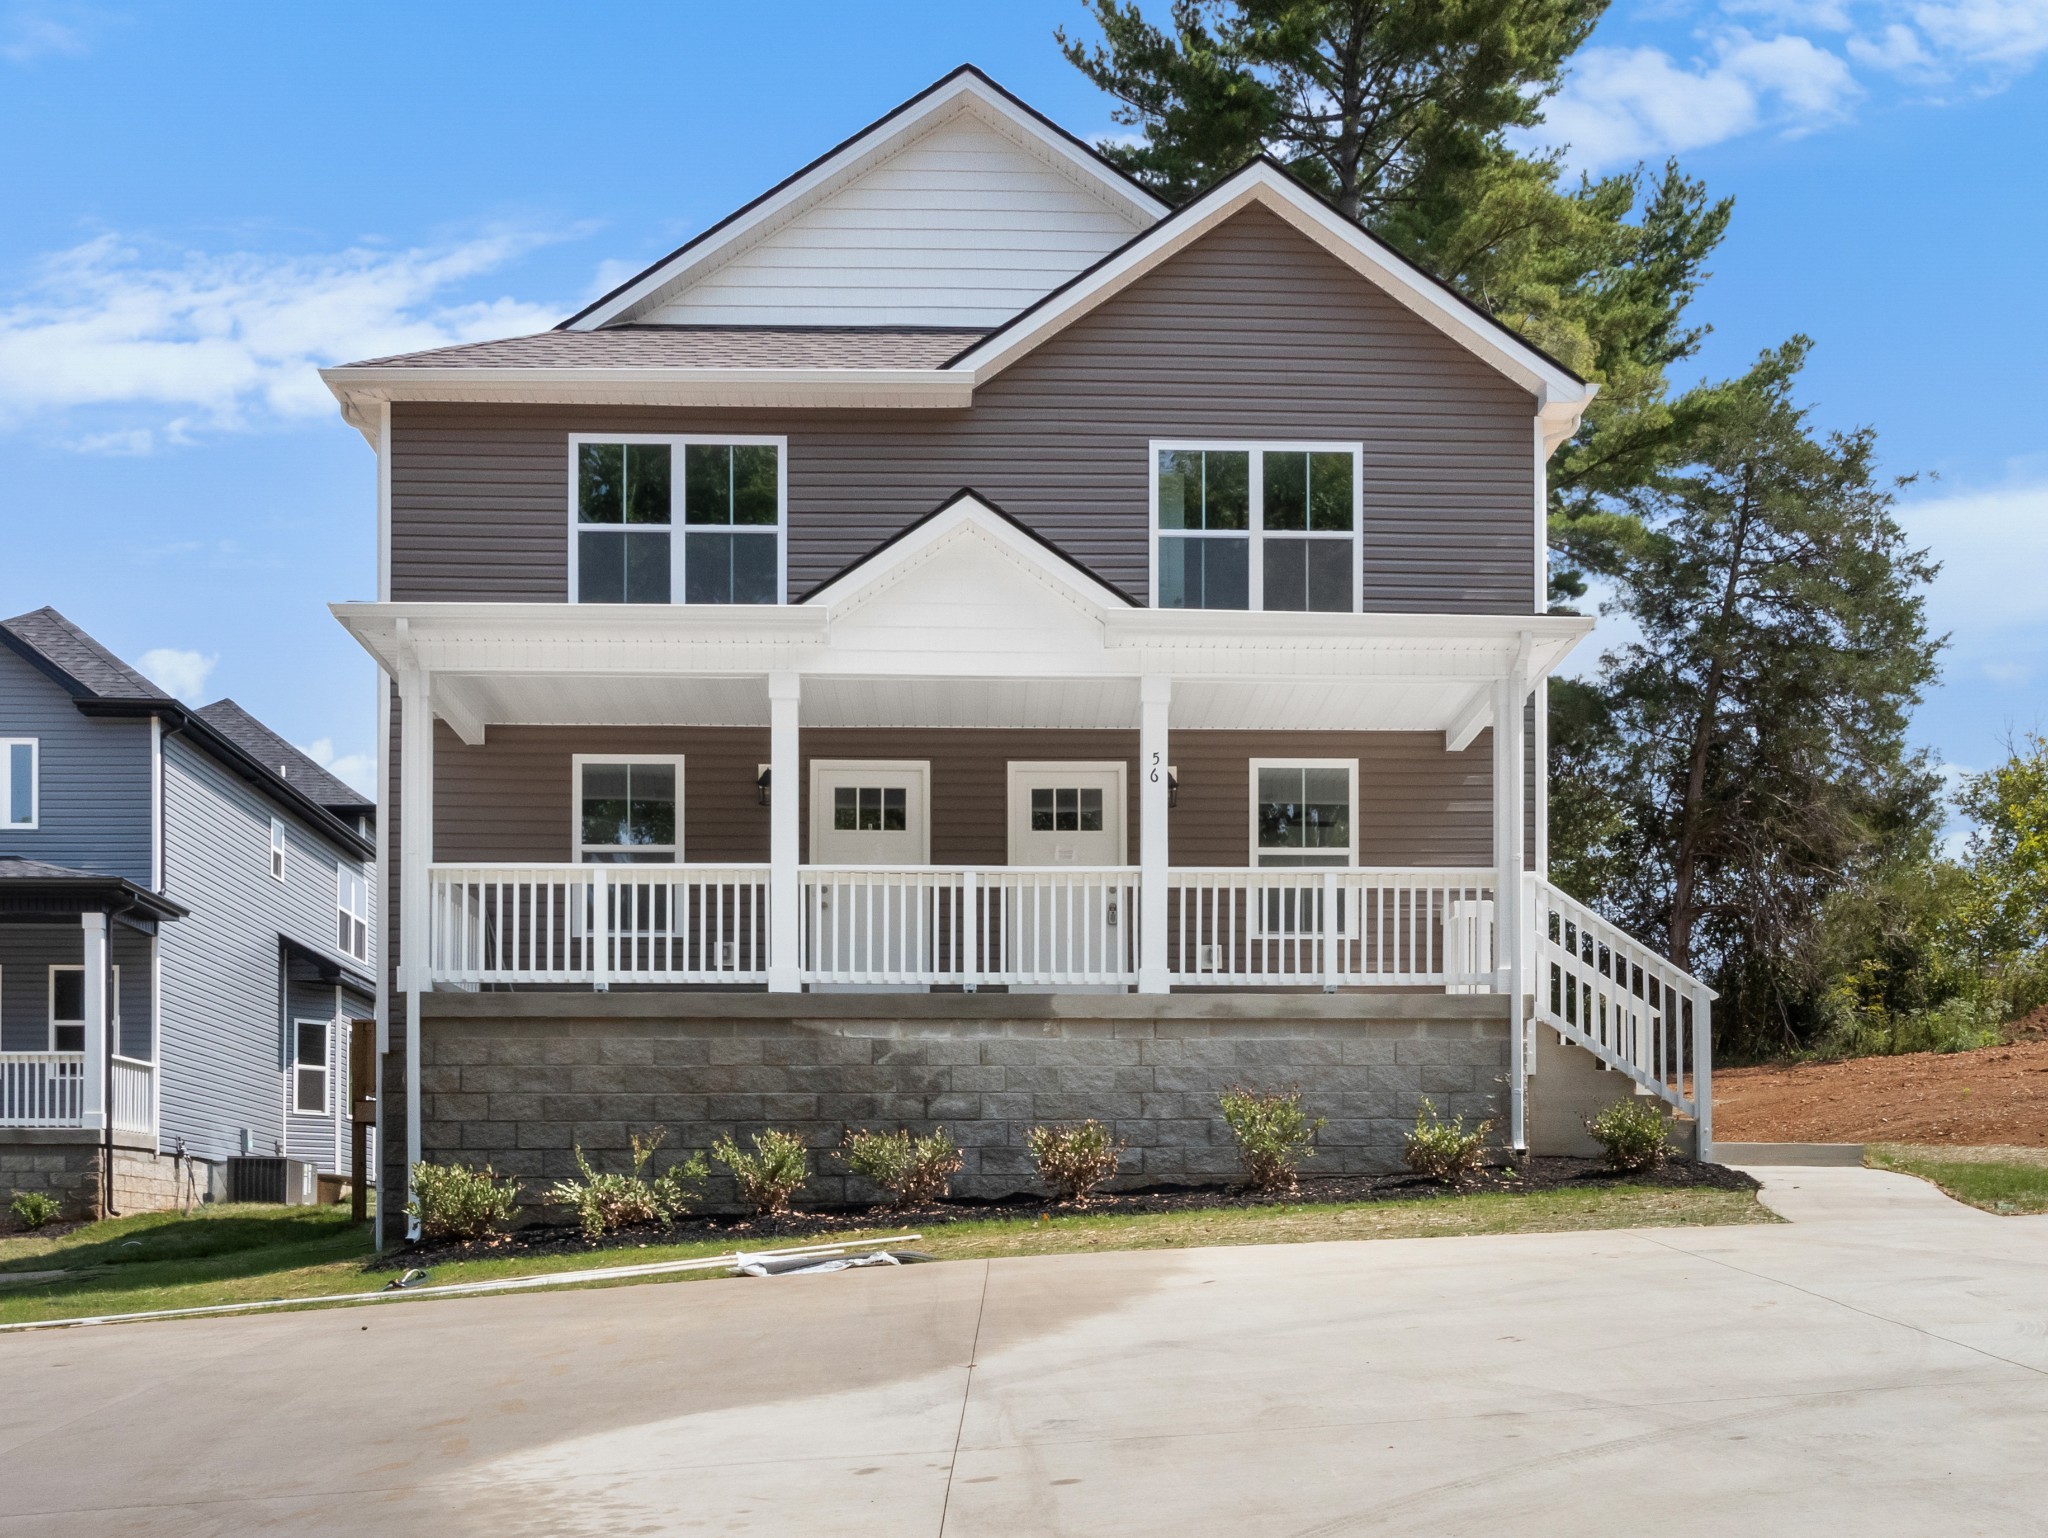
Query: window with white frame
point(310, 1066)
point(667, 519)
point(352, 912)
point(67, 1008)
point(20, 790)
point(1304, 812)
point(277, 847)
point(629, 811)
point(1256, 526)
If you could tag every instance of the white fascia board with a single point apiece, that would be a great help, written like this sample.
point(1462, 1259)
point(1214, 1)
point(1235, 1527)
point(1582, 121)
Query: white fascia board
point(567, 637)
point(966, 518)
point(1261, 184)
point(852, 159)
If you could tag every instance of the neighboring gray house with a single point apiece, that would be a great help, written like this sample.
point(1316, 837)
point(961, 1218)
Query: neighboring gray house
point(186, 926)
point(959, 642)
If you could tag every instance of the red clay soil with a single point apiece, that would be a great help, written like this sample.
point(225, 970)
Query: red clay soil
point(1992, 1095)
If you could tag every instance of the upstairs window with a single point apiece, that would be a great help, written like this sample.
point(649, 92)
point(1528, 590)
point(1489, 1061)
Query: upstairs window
point(352, 913)
point(657, 520)
point(1256, 526)
point(277, 847)
point(19, 790)
point(629, 812)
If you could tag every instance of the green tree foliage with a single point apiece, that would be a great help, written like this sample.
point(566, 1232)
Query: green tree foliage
point(2008, 852)
point(1753, 739)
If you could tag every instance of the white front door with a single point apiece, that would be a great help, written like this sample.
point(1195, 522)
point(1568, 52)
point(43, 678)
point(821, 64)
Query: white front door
point(1067, 814)
point(870, 813)
point(863, 928)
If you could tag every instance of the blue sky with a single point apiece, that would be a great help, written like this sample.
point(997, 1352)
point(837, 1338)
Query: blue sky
point(221, 198)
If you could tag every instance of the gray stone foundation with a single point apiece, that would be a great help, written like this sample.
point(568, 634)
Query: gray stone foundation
point(521, 1079)
point(65, 1166)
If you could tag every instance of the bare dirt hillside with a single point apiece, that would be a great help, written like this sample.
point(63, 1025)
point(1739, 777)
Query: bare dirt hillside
point(1993, 1095)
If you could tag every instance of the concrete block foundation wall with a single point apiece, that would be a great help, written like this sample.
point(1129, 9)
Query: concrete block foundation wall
point(521, 1079)
point(65, 1167)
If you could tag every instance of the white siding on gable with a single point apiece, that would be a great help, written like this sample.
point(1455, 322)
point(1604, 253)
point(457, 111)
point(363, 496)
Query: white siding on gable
point(963, 226)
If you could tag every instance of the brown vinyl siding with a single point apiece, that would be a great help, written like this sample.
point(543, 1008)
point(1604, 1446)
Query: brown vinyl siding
point(1253, 332)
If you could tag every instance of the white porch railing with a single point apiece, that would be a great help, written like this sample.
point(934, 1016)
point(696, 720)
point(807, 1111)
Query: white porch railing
point(598, 924)
point(1636, 1012)
point(1334, 928)
point(42, 1089)
point(134, 1095)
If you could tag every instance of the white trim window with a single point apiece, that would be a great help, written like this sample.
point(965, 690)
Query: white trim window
point(1271, 526)
point(352, 912)
point(312, 1066)
point(629, 811)
point(67, 1009)
point(1304, 812)
point(277, 848)
point(20, 781)
point(677, 519)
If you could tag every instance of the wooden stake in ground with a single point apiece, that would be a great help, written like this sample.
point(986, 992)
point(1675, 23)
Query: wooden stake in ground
point(362, 1095)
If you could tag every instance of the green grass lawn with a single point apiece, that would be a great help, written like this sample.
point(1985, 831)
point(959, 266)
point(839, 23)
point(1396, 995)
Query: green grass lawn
point(244, 1254)
point(2009, 1181)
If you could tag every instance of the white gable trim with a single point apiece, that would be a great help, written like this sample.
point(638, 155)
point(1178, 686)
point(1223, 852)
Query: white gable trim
point(1561, 399)
point(966, 518)
point(966, 89)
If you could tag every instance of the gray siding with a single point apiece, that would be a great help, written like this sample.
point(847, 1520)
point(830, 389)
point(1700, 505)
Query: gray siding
point(94, 809)
point(1254, 332)
point(223, 1012)
point(28, 951)
point(321, 1139)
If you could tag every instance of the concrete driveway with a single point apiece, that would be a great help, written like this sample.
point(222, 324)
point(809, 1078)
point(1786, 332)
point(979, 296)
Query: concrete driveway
point(1878, 1366)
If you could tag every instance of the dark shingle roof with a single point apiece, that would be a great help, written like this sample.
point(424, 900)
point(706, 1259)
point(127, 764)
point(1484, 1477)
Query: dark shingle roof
point(38, 887)
point(289, 764)
point(848, 347)
point(89, 666)
point(19, 867)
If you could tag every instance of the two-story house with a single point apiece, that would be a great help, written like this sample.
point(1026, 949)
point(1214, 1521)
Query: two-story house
point(960, 642)
point(185, 931)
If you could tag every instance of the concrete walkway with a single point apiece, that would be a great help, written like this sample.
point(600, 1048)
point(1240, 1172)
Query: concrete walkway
point(1879, 1365)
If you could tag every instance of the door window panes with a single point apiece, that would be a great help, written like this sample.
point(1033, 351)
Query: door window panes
point(870, 809)
point(1066, 809)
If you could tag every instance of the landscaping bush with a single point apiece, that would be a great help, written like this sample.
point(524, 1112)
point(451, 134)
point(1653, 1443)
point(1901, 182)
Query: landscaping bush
point(605, 1203)
point(914, 1170)
point(1273, 1134)
point(1073, 1161)
point(1443, 1150)
point(453, 1201)
point(34, 1209)
point(1633, 1132)
point(769, 1176)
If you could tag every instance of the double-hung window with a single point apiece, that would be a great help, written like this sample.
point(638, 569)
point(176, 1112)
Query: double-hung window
point(669, 519)
point(1304, 812)
point(628, 811)
point(19, 790)
point(1256, 526)
point(352, 912)
point(310, 1067)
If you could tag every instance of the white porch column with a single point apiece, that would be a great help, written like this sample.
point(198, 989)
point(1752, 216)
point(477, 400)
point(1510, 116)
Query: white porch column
point(93, 1098)
point(785, 899)
point(1508, 939)
point(1155, 696)
point(415, 854)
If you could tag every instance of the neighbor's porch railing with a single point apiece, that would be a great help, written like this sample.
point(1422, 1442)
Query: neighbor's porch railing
point(134, 1097)
point(42, 1089)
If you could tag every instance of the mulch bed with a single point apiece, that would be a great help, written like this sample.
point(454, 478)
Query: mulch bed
point(1533, 1174)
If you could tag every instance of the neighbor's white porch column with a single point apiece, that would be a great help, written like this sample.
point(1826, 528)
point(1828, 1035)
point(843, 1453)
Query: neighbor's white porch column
point(415, 855)
point(785, 902)
point(93, 1100)
point(1509, 942)
point(1155, 700)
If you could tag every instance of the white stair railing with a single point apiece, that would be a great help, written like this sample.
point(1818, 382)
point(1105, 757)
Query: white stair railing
point(1636, 1012)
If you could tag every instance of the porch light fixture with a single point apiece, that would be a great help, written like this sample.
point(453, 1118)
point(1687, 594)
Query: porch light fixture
point(761, 782)
point(1172, 786)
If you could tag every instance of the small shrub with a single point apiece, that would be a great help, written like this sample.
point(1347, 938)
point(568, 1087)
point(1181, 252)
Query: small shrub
point(609, 1202)
point(1273, 1134)
point(34, 1209)
point(914, 1170)
point(1443, 1150)
point(769, 1176)
point(1633, 1132)
point(453, 1201)
point(1073, 1161)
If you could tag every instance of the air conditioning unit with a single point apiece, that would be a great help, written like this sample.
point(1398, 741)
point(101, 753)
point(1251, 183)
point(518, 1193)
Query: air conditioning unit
point(259, 1178)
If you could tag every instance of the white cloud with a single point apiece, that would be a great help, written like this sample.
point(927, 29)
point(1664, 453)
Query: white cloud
point(358, 770)
point(1625, 104)
point(231, 341)
point(2001, 33)
point(180, 673)
point(28, 33)
point(1997, 619)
